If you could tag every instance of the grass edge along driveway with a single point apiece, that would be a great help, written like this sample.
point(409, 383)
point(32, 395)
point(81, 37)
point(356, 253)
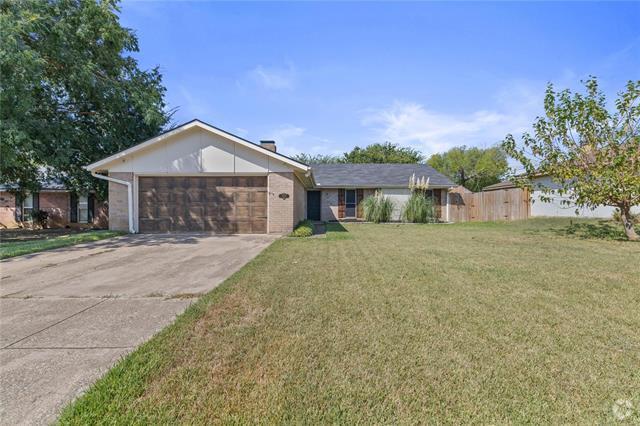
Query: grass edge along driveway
point(489, 323)
point(20, 248)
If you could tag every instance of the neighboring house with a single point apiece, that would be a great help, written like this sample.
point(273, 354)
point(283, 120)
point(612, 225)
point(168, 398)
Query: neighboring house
point(197, 177)
point(65, 208)
point(559, 205)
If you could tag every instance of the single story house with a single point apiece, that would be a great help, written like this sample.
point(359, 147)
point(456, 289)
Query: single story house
point(197, 177)
point(559, 205)
point(65, 207)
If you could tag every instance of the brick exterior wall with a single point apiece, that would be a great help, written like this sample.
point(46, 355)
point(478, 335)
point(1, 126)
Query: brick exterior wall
point(118, 204)
point(299, 200)
point(101, 214)
point(57, 204)
point(281, 211)
point(7, 210)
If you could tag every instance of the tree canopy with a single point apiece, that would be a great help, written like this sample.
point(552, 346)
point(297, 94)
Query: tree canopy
point(473, 168)
point(376, 153)
point(382, 153)
point(71, 93)
point(316, 159)
point(591, 151)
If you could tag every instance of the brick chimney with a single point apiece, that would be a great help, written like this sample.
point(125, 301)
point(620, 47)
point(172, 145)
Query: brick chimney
point(270, 145)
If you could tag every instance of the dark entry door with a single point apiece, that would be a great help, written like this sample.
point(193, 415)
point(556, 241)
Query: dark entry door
point(313, 205)
point(350, 203)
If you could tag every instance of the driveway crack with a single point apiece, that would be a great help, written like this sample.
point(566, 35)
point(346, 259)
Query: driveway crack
point(55, 323)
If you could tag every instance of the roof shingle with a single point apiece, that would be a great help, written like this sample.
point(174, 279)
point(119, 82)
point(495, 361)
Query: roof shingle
point(375, 175)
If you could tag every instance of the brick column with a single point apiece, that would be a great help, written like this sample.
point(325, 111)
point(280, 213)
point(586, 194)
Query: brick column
point(281, 208)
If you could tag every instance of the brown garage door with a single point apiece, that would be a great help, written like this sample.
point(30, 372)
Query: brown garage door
point(217, 204)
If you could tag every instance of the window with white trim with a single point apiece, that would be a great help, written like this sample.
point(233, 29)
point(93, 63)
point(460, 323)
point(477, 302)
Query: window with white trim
point(83, 209)
point(27, 208)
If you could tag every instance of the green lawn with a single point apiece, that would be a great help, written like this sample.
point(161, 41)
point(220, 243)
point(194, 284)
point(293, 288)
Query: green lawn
point(485, 323)
point(18, 248)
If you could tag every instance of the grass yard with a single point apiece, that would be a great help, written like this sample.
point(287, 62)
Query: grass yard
point(17, 247)
point(486, 323)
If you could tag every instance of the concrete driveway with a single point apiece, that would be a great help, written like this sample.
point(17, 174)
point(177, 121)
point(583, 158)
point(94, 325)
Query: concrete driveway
point(67, 315)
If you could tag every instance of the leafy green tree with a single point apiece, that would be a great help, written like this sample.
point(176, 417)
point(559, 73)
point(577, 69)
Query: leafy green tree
point(316, 159)
point(473, 168)
point(382, 153)
point(591, 151)
point(70, 92)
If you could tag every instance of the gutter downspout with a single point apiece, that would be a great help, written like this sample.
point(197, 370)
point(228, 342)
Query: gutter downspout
point(129, 196)
point(448, 189)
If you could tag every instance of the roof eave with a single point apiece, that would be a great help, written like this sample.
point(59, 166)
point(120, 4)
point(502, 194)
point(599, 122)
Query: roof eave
point(100, 165)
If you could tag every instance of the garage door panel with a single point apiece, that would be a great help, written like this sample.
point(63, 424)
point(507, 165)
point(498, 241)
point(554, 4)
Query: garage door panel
point(164, 210)
point(221, 227)
point(195, 195)
point(244, 227)
point(148, 210)
point(242, 197)
point(259, 212)
point(259, 226)
point(218, 182)
point(195, 212)
point(258, 196)
point(214, 204)
point(217, 212)
point(219, 198)
point(243, 212)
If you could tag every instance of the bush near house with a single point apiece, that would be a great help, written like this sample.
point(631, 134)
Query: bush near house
point(41, 217)
point(419, 208)
point(303, 229)
point(377, 208)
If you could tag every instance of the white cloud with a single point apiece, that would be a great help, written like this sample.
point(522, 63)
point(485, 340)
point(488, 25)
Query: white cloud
point(291, 140)
point(286, 132)
point(430, 131)
point(274, 78)
point(193, 106)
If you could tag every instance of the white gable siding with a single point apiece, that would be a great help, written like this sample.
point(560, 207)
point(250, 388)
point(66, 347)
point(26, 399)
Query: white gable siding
point(250, 161)
point(562, 206)
point(217, 153)
point(184, 153)
point(198, 151)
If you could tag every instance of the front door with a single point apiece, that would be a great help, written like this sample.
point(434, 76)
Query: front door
point(350, 203)
point(313, 205)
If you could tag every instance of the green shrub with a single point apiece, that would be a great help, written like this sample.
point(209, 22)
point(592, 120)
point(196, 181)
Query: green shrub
point(377, 208)
point(40, 217)
point(419, 208)
point(303, 229)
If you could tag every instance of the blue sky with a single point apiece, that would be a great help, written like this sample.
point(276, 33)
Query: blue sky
point(325, 77)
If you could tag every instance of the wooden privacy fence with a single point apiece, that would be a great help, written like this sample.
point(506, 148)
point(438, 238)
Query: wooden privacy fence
point(503, 204)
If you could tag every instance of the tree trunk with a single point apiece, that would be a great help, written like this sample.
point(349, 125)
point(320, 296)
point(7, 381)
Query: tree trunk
point(627, 222)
